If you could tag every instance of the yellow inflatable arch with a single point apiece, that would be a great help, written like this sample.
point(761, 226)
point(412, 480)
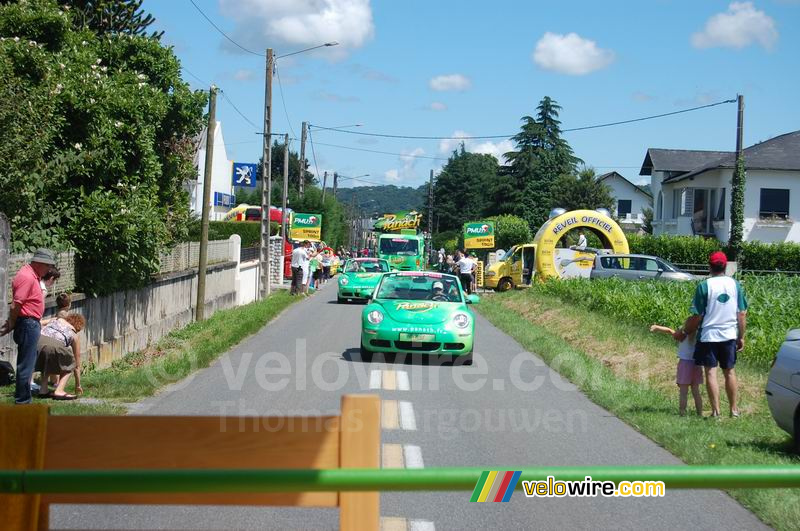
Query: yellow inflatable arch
point(555, 228)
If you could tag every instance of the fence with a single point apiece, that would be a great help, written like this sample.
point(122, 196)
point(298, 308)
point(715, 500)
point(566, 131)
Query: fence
point(65, 262)
point(246, 254)
point(187, 256)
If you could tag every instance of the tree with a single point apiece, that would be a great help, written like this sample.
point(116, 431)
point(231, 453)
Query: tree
point(111, 16)
point(737, 209)
point(541, 156)
point(582, 191)
point(278, 151)
point(460, 188)
point(647, 223)
point(335, 228)
point(510, 230)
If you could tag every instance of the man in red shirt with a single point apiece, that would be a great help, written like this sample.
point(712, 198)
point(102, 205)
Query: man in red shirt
point(26, 311)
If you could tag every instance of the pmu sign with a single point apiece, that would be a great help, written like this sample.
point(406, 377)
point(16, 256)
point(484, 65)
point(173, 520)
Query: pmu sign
point(244, 174)
point(305, 227)
point(479, 235)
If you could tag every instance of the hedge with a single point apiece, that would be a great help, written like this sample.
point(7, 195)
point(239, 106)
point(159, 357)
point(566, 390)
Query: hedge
point(250, 231)
point(756, 256)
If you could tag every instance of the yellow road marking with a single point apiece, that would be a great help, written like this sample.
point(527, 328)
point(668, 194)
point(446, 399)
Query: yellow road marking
point(389, 380)
point(391, 523)
point(392, 456)
point(390, 419)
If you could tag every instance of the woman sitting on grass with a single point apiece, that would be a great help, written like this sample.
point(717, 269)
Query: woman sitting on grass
point(688, 374)
point(60, 355)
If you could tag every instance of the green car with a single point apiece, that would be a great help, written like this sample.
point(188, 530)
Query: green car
point(358, 278)
point(419, 312)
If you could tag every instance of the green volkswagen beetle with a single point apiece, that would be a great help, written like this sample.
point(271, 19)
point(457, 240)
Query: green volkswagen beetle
point(419, 312)
point(358, 278)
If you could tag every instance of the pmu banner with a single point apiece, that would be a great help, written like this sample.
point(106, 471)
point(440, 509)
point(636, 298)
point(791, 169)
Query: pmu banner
point(398, 221)
point(244, 174)
point(305, 227)
point(479, 235)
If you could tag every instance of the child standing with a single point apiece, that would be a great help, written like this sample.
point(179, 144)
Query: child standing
point(688, 374)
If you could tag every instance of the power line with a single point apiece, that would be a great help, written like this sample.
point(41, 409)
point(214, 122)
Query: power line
point(314, 153)
point(223, 33)
point(235, 108)
point(194, 76)
point(280, 87)
point(361, 180)
point(382, 152)
point(479, 137)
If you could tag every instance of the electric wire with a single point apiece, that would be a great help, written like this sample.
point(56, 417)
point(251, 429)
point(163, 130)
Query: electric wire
point(235, 108)
point(194, 76)
point(479, 137)
point(314, 154)
point(223, 33)
point(283, 101)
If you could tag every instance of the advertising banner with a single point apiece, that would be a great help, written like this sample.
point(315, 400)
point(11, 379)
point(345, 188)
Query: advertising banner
point(479, 235)
point(398, 221)
point(224, 200)
point(305, 227)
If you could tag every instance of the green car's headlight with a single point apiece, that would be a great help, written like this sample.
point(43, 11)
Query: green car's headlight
point(461, 320)
point(375, 317)
point(343, 281)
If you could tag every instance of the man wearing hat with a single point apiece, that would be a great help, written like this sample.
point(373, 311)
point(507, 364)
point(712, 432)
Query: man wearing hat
point(26, 311)
point(719, 311)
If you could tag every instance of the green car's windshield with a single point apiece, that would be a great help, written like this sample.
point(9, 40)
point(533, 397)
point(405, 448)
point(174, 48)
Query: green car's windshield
point(416, 287)
point(366, 266)
point(399, 246)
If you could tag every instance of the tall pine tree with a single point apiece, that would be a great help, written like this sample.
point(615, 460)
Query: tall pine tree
point(112, 16)
point(460, 190)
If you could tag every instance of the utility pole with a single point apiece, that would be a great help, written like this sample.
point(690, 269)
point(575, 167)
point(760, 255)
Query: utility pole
point(324, 184)
point(283, 209)
point(738, 186)
point(303, 133)
point(430, 215)
point(266, 181)
point(335, 183)
point(200, 305)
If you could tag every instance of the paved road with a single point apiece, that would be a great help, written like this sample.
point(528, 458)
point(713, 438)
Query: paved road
point(508, 410)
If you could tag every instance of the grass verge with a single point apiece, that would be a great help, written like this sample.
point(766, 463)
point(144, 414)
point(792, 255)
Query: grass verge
point(181, 352)
point(630, 372)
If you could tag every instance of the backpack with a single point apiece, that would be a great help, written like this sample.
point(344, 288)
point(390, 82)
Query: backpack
point(6, 373)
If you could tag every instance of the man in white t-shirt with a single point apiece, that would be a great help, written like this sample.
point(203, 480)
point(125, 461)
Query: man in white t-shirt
point(465, 268)
point(300, 258)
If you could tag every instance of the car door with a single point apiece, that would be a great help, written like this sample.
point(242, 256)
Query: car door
point(648, 269)
point(516, 267)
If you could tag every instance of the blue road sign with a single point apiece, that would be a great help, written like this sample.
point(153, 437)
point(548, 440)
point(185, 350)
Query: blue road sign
point(244, 174)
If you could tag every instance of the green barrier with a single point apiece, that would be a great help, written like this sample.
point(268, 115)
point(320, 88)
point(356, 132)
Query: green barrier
point(428, 479)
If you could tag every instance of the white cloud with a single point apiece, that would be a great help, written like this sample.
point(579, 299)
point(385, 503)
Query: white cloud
point(298, 23)
point(406, 172)
point(450, 82)
point(497, 149)
point(642, 96)
point(741, 25)
point(335, 98)
point(391, 176)
point(570, 54)
point(437, 106)
point(244, 75)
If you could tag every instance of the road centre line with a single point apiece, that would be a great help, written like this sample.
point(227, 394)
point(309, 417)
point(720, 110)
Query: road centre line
point(403, 381)
point(392, 456)
point(408, 421)
point(391, 523)
point(390, 419)
point(389, 380)
point(413, 456)
point(375, 379)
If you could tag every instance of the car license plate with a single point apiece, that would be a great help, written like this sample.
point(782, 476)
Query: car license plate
point(417, 338)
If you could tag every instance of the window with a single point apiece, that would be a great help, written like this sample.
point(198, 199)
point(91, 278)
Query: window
point(660, 206)
point(720, 213)
point(774, 203)
point(623, 207)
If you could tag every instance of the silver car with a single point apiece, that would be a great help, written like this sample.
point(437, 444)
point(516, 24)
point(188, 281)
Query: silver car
point(637, 267)
point(783, 387)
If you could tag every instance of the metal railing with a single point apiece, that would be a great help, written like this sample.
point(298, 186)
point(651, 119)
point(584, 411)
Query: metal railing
point(341, 480)
point(247, 254)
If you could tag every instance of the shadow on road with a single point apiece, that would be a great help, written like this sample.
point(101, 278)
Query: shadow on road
point(410, 358)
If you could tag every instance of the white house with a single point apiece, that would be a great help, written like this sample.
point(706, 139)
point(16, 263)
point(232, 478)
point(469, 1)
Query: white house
point(692, 190)
point(221, 200)
point(631, 200)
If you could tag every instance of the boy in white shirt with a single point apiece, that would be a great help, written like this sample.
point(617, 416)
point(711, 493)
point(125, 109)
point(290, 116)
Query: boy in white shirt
point(688, 374)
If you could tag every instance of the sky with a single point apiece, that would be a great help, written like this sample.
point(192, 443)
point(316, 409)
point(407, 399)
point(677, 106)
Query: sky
point(466, 68)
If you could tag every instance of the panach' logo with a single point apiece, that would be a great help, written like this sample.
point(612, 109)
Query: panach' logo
point(415, 306)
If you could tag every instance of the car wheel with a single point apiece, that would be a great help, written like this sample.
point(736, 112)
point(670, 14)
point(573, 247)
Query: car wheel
point(505, 284)
point(366, 354)
point(340, 300)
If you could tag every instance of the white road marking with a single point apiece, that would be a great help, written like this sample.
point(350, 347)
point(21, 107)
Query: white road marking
point(375, 379)
point(421, 525)
point(408, 421)
point(402, 381)
point(413, 456)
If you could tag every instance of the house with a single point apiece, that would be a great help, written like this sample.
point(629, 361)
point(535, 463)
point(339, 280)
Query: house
point(222, 199)
point(631, 200)
point(692, 190)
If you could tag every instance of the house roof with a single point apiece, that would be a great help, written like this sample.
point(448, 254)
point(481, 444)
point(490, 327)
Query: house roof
point(677, 160)
point(616, 174)
point(779, 153)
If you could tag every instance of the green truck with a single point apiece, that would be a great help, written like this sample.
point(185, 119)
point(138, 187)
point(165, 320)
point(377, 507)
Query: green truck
point(405, 251)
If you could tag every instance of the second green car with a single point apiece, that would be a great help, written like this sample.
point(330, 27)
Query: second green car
point(358, 278)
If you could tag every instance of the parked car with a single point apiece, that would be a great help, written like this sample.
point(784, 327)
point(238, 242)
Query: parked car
point(637, 267)
point(783, 387)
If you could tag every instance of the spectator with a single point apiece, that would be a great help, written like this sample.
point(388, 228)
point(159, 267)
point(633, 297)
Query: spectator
point(465, 269)
point(63, 304)
point(688, 373)
point(474, 258)
point(25, 315)
point(59, 353)
point(300, 257)
point(581, 241)
point(719, 311)
point(327, 260)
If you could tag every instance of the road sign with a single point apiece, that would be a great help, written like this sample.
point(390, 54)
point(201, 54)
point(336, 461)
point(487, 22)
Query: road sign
point(244, 174)
point(306, 227)
point(224, 200)
point(479, 235)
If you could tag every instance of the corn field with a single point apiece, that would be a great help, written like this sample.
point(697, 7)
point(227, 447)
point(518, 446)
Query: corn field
point(774, 306)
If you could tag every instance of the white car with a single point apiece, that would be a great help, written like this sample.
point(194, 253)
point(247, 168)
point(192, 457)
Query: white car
point(783, 387)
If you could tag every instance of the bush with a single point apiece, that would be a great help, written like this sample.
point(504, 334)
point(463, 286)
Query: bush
point(510, 230)
point(759, 256)
point(447, 240)
point(250, 231)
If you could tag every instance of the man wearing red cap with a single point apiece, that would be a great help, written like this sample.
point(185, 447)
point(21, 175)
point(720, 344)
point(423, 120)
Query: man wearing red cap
point(719, 310)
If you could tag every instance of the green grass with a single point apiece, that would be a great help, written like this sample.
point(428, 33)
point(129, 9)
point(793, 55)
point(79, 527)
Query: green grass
point(642, 399)
point(140, 374)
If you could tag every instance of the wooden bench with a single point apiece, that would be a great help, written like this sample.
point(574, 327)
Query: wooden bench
point(351, 440)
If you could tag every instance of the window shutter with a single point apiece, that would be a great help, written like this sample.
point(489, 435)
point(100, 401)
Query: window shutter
point(687, 201)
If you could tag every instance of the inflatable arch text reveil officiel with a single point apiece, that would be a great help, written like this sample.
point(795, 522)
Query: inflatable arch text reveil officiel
point(555, 228)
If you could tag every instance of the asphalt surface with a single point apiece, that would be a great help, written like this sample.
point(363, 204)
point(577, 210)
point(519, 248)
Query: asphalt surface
point(507, 411)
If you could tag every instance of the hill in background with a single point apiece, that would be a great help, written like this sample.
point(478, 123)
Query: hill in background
point(383, 199)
